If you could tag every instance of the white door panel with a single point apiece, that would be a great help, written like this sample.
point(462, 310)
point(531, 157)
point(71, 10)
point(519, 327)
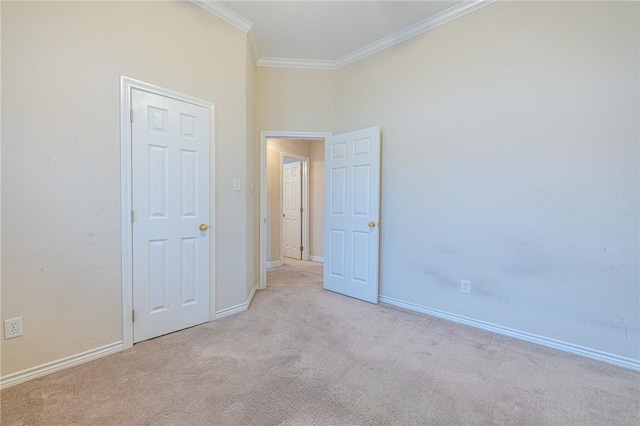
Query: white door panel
point(170, 166)
point(352, 210)
point(292, 214)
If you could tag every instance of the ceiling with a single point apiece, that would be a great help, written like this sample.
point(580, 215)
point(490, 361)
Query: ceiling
point(330, 34)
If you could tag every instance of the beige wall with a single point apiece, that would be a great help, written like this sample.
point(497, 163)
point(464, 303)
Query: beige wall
point(316, 198)
point(251, 185)
point(61, 64)
point(510, 159)
point(1, 312)
point(295, 100)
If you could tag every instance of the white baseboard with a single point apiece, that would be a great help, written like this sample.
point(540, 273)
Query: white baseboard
point(274, 264)
point(253, 293)
point(319, 259)
point(61, 364)
point(238, 308)
point(70, 361)
point(620, 361)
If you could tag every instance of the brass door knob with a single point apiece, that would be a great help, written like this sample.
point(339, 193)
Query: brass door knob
point(203, 227)
point(372, 224)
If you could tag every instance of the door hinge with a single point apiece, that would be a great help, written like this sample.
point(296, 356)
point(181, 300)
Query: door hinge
point(301, 248)
point(133, 316)
point(301, 209)
point(132, 216)
point(300, 170)
point(131, 115)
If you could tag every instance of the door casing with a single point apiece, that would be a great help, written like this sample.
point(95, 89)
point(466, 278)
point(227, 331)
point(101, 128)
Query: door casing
point(264, 135)
point(126, 200)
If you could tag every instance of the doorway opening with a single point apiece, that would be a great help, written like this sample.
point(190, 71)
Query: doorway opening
point(307, 150)
point(294, 201)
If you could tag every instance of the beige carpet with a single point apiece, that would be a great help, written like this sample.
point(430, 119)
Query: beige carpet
point(304, 356)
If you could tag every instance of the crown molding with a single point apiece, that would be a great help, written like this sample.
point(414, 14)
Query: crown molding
point(234, 19)
point(253, 45)
point(316, 64)
point(225, 14)
point(414, 30)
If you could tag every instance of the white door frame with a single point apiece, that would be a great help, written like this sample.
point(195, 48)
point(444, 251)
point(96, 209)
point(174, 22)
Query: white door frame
point(264, 135)
point(305, 204)
point(126, 198)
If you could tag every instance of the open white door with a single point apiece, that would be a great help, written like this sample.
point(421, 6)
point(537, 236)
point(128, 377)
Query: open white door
point(352, 212)
point(170, 187)
point(292, 209)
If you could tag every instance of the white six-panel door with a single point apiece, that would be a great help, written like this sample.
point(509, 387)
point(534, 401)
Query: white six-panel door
point(170, 187)
point(352, 212)
point(291, 209)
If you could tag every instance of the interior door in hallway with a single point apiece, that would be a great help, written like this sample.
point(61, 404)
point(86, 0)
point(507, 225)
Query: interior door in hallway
point(170, 187)
point(352, 212)
point(292, 209)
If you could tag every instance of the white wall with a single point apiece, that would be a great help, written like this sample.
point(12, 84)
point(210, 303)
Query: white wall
point(510, 159)
point(61, 64)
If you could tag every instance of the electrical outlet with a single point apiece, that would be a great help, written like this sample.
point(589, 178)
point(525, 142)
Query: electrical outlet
point(465, 286)
point(12, 328)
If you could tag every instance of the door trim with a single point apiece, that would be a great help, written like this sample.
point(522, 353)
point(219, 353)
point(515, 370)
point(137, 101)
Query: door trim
point(264, 135)
point(126, 200)
point(305, 204)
